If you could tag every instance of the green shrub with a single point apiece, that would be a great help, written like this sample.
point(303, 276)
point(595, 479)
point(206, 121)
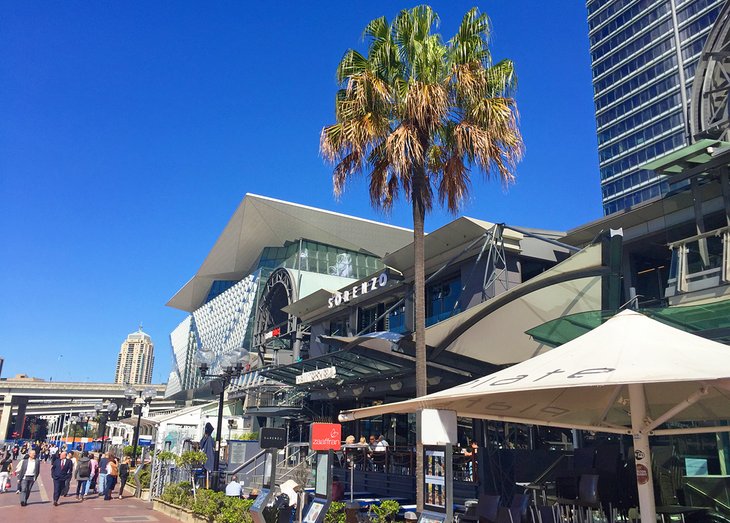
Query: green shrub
point(192, 459)
point(385, 512)
point(167, 457)
point(208, 503)
point(234, 510)
point(180, 494)
point(144, 477)
point(336, 513)
point(246, 436)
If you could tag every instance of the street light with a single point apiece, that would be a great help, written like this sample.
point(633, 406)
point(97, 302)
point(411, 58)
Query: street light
point(74, 420)
point(231, 367)
point(104, 412)
point(144, 398)
point(86, 416)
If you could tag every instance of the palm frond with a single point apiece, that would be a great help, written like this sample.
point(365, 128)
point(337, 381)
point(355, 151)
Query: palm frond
point(454, 183)
point(352, 63)
point(470, 44)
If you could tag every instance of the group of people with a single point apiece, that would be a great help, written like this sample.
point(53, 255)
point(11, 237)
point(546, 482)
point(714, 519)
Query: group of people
point(375, 444)
point(91, 474)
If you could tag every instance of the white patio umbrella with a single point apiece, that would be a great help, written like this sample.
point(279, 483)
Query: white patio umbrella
point(631, 375)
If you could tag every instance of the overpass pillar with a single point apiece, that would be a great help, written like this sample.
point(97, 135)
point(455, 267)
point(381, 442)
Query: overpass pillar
point(5, 416)
point(20, 417)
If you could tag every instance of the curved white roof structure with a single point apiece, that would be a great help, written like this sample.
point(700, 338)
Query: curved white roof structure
point(261, 222)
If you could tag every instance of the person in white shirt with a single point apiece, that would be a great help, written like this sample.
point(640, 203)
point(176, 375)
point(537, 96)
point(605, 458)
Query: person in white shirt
point(381, 445)
point(27, 471)
point(234, 488)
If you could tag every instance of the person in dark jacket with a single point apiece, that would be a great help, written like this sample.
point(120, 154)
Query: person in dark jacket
point(123, 474)
point(82, 472)
point(28, 473)
point(61, 471)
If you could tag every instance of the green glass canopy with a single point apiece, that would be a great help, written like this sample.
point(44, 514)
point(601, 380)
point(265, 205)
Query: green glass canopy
point(710, 320)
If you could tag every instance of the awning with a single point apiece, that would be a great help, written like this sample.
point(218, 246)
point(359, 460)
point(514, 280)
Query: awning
point(709, 320)
point(685, 158)
point(366, 358)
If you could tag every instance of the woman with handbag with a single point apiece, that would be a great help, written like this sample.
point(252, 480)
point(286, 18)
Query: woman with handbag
point(6, 467)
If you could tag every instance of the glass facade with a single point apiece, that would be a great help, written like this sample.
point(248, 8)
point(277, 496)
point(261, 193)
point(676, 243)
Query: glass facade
point(643, 55)
point(321, 258)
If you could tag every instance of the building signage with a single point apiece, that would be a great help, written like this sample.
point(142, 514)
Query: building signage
point(272, 438)
point(316, 375)
point(374, 283)
point(326, 436)
point(273, 333)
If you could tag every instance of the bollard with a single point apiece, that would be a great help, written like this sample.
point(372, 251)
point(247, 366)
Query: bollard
point(352, 511)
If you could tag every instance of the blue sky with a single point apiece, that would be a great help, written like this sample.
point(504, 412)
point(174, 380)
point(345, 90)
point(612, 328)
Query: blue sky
point(130, 131)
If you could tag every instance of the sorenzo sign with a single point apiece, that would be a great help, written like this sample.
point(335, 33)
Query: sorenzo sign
point(272, 438)
point(326, 436)
point(374, 283)
point(316, 375)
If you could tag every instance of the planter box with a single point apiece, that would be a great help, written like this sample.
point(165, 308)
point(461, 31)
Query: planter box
point(130, 490)
point(176, 512)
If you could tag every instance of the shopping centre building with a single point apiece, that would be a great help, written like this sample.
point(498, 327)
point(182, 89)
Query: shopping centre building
point(316, 307)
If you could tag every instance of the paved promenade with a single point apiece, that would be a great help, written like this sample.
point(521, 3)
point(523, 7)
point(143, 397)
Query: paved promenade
point(93, 509)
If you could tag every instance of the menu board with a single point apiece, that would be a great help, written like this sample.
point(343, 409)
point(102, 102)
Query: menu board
point(261, 500)
point(322, 479)
point(316, 511)
point(431, 518)
point(435, 479)
point(236, 452)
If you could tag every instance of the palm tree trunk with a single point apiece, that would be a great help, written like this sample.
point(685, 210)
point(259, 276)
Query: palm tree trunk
point(419, 298)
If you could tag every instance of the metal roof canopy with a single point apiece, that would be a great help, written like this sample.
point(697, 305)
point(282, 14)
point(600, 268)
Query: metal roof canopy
point(708, 320)
point(356, 364)
point(260, 222)
point(693, 160)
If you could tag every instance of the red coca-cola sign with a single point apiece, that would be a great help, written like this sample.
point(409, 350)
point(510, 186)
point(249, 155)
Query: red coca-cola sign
point(642, 474)
point(326, 436)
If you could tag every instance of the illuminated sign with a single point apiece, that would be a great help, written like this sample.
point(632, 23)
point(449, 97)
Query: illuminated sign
point(317, 375)
point(374, 283)
point(272, 334)
point(326, 436)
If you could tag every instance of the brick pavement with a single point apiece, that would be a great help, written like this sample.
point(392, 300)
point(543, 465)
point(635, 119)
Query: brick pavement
point(93, 509)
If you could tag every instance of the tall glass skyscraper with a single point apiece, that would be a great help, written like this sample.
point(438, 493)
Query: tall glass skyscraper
point(643, 54)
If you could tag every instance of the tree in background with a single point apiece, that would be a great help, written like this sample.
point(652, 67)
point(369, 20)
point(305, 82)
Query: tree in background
point(418, 114)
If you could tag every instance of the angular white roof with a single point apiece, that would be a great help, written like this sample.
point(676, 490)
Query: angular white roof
point(261, 222)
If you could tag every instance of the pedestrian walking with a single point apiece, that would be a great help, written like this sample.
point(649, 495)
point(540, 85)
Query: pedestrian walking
point(112, 472)
point(6, 467)
point(82, 475)
point(28, 472)
point(101, 482)
point(74, 460)
point(123, 475)
point(61, 471)
point(17, 471)
point(91, 484)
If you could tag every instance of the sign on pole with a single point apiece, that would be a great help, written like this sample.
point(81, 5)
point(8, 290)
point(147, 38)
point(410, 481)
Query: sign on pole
point(272, 438)
point(326, 436)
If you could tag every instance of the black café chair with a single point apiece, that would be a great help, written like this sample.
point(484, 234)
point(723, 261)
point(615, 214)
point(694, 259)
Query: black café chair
point(378, 460)
point(486, 510)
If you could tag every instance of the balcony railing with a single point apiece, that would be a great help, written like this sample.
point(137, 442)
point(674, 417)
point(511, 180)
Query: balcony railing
point(700, 262)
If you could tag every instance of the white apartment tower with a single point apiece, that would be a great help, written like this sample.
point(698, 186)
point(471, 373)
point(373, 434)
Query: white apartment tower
point(136, 359)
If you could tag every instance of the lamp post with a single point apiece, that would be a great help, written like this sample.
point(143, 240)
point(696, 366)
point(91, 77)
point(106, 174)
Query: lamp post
point(144, 398)
point(103, 412)
point(74, 420)
point(86, 417)
point(231, 367)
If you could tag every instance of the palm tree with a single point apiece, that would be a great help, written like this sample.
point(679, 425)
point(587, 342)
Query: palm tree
point(418, 114)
